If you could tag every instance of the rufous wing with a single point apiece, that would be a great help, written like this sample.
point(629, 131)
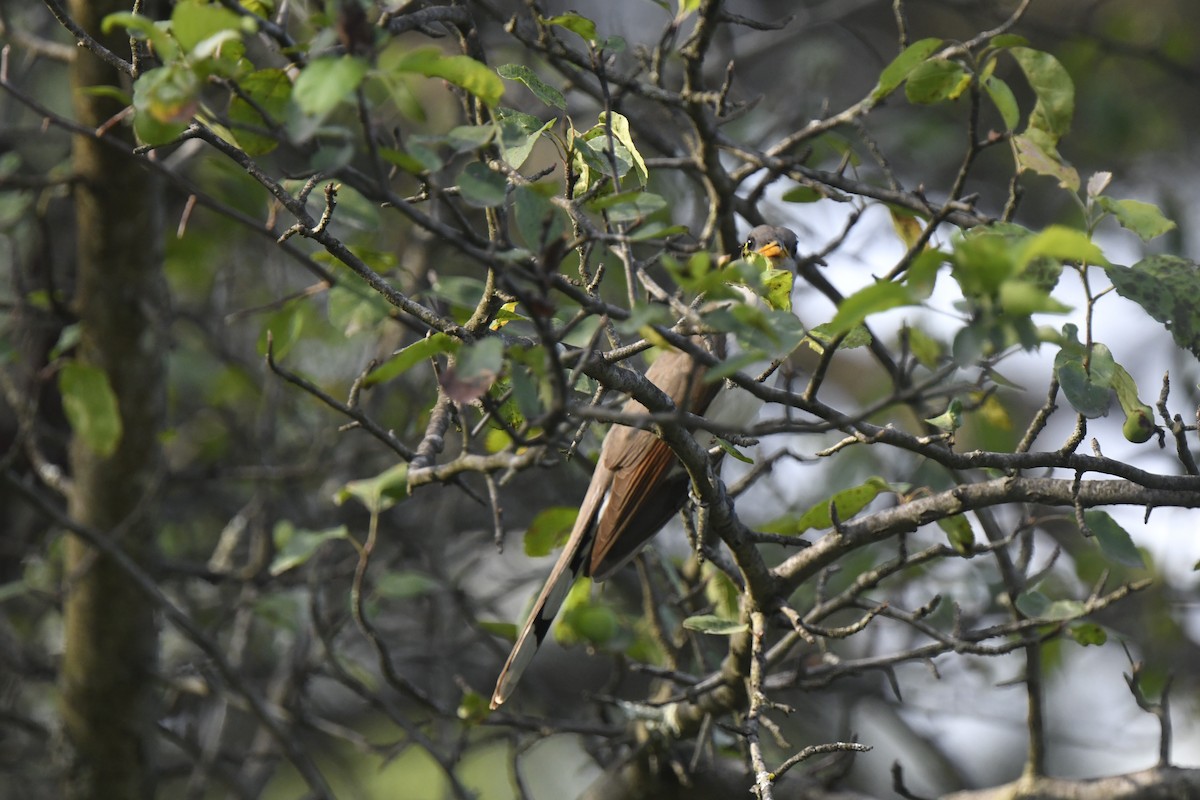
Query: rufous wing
point(635, 489)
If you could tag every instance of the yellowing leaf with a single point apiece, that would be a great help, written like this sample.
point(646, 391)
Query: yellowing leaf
point(1038, 154)
point(993, 414)
point(576, 23)
point(907, 226)
point(1144, 219)
point(935, 81)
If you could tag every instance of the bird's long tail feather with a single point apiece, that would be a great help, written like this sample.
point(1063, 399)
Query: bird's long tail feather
point(569, 567)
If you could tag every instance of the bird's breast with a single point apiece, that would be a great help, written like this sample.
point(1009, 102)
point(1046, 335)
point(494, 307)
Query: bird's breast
point(733, 407)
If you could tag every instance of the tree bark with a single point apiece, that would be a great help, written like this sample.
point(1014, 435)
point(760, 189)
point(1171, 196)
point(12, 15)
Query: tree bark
point(108, 671)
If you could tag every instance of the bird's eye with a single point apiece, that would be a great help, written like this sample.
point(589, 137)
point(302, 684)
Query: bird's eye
point(748, 246)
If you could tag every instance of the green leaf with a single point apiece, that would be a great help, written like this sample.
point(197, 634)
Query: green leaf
point(733, 451)
point(1086, 389)
point(505, 630)
point(959, 534)
point(538, 220)
point(419, 160)
point(91, 407)
point(481, 358)
point(902, 65)
point(1061, 243)
point(714, 625)
point(583, 620)
point(404, 585)
point(820, 337)
point(269, 89)
point(379, 493)
point(774, 333)
point(525, 383)
point(1055, 92)
point(656, 230)
point(165, 47)
point(284, 328)
point(542, 90)
point(518, 135)
point(1139, 417)
point(473, 707)
point(628, 206)
point(1087, 633)
point(549, 530)
point(1168, 288)
point(1144, 219)
point(869, 300)
point(164, 100)
point(949, 420)
point(14, 589)
point(1037, 606)
point(925, 349)
point(327, 81)
point(1126, 389)
point(67, 339)
point(803, 194)
point(194, 21)
point(1006, 40)
point(462, 71)
point(722, 593)
point(405, 359)
point(935, 81)
point(294, 547)
point(1004, 100)
point(776, 289)
point(576, 23)
point(261, 8)
point(981, 262)
point(482, 187)
point(460, 290)
point(354, 310)
point(1114, 540)
point(469, 138)
point(848, 502)
point(1022, 298)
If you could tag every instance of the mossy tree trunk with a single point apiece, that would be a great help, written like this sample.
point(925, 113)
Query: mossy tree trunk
point(108, 674)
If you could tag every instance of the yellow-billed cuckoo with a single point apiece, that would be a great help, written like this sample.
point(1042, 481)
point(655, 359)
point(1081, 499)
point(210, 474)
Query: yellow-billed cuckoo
point(638, 483)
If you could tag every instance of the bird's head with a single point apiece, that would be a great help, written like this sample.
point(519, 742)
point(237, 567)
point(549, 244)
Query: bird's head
point(778, 245)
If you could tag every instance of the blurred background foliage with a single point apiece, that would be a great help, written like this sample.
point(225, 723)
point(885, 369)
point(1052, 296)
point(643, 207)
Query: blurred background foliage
point(256, 549)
